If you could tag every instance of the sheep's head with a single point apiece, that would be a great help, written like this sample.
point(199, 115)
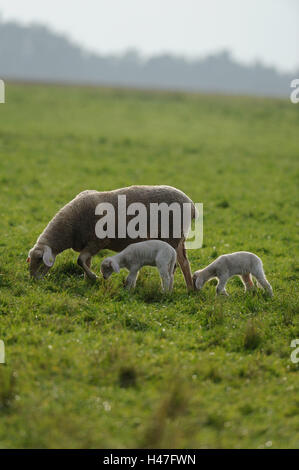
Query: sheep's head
point(108, 266)
point(198, 280)
point(40, 259)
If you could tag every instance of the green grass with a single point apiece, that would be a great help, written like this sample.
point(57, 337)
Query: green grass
point(90, 365)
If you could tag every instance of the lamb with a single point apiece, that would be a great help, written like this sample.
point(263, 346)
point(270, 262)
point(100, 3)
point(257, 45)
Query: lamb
point(74, 227)
point(149, 253)
point(242, 263)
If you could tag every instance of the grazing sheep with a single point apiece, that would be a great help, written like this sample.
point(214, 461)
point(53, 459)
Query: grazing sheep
point(134, 257)
point(74, 227)
point(241, 263)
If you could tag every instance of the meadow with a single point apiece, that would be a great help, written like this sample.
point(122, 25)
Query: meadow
point(89, 365)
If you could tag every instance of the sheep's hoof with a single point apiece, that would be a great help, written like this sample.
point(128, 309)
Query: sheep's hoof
point(222, 293)
point(129, 287)
point(90, 277)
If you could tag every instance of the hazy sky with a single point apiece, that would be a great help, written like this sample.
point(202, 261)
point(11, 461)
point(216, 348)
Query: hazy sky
point(267, 30)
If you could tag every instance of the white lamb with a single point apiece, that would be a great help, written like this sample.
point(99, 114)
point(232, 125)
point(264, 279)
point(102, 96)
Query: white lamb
point(148, 253)
point(241, 263)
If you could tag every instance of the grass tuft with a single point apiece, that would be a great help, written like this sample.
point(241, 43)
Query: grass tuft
point(172, 406)
point(252, 337)
point(127, 376)
point(7, 389)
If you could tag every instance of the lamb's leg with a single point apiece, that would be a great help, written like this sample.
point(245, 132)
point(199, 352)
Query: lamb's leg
point(184, 264)
point(166, 272)
point(247, 281)
point(221, 286)
point(166, 280)
point(259, 274)
point(171, 275)
point(171, 283)
point(131, 279)
point(84, 261)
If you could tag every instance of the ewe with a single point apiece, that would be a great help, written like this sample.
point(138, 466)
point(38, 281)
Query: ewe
point(74, 227)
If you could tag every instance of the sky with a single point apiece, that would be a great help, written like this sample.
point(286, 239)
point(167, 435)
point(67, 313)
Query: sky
point(263, 30)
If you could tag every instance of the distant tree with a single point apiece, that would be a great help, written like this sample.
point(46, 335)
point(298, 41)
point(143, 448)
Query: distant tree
point(36, 53)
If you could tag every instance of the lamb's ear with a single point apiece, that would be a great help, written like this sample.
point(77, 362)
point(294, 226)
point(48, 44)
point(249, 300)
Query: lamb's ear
point(197, 282)
point(48, 257)
point(115, 266)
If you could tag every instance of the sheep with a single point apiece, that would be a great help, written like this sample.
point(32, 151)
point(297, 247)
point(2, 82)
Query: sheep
point(74, 227)
point(150, 253)
point(242, 263)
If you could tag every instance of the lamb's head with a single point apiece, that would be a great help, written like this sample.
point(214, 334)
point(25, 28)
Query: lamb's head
point(40, 259)
point(198, 280)
point(108, 266)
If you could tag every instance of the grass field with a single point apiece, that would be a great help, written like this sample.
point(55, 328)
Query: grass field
point(90, 365)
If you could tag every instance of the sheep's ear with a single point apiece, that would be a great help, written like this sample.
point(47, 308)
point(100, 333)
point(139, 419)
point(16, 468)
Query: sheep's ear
point(29, 257)
point(115, 266)
point(48, 257)
point(197, 282)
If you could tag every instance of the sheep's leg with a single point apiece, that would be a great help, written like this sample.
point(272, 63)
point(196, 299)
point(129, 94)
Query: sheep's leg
point(166, 280)
point(184, 264)
point(262, 280)
point(88, 264)
point(131, 279)
point(247, 281)
point(221, 286)
point(84, 261)
point(171, 283)
point(166, 273)
point(266, 285)
point(171, 275)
